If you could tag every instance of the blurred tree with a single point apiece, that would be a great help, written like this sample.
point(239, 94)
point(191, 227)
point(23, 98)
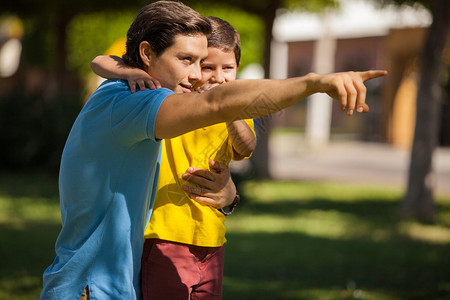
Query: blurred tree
point(267, 10)
point(418, 202)
point(91, 34)
point(39, 103)
point(46, 24)
point(249, 26)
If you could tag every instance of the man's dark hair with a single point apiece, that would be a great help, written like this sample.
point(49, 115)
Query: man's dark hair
point(225, 37)
point(158, 23)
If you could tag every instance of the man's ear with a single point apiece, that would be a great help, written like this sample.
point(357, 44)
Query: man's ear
point(237, 68)
point(146, 53)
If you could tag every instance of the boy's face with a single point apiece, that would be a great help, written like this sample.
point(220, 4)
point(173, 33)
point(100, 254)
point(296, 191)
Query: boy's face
point(220, 66)
point(178, 67)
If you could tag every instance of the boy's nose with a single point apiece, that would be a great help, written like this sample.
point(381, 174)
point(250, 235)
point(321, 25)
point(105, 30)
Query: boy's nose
point(218, 77)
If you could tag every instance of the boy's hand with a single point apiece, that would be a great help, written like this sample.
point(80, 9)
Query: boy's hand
point(348, 88)
point(142, 80)
point(214, 188)
point(205, 87)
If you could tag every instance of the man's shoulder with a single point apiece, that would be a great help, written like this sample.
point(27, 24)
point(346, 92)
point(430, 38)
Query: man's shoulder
point(120, 89)
point(111, 87)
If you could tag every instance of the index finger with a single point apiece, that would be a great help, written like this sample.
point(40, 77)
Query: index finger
point(367, 75)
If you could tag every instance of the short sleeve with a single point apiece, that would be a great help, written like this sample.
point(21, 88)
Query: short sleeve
point(133, 116)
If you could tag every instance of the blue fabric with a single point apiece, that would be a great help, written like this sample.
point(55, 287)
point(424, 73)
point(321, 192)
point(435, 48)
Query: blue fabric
point(108, 170)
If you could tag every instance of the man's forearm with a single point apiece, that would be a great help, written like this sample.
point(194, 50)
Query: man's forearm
point(246, 99)
point(239, 99)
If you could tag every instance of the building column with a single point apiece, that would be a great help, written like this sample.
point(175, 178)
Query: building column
point(319, 107)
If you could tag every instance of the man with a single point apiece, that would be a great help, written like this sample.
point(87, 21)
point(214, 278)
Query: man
point(183, 254)
point(109, 161)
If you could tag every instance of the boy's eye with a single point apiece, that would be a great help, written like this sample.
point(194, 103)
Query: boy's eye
point(207, 68)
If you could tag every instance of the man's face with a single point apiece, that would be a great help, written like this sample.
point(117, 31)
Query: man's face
point(219, 67)
point(178, 67)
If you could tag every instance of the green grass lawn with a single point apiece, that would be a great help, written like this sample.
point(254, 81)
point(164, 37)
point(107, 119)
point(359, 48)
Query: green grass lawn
point(286, 240)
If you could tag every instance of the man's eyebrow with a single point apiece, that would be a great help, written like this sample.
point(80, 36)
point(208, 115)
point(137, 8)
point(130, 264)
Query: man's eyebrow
point(191, 54)
point(186, 53)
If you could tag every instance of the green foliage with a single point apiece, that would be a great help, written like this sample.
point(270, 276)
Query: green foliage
point(303, 240)
point(92, 34)
point(29, 223)
point(286, 240)
point(315, 6)
point(33, 129)
point(38, 43)
point(250, 28)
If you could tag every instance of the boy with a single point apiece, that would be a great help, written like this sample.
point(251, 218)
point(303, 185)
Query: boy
point(184, 248)
point(183, 252)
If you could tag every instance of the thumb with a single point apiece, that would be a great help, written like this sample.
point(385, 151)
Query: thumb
point(217, 166)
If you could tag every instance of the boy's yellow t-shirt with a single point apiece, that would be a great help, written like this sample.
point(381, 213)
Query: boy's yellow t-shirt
point(175, 216)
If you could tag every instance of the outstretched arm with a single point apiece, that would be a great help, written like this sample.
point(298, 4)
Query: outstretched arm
point(247, 99)
point(113, 67)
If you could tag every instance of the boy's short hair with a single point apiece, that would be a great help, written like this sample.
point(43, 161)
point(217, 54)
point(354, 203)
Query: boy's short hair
point(225, 37)
point(158, 23)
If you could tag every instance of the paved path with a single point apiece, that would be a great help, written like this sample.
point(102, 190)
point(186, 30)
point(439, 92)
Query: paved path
point(357, 162)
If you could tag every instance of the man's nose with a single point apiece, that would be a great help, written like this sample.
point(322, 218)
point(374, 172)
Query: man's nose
point(196, 73)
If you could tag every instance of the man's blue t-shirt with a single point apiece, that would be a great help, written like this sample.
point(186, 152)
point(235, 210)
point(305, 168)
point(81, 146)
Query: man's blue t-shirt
point(108, 169)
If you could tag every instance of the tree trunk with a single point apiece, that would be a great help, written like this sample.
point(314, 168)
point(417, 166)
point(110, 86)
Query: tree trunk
point(260, 157)
point(418, 202)
point(62, 80)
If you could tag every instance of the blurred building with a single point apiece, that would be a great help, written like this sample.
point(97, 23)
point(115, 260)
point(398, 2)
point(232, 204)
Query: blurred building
point(11, 32)
point(359, 37)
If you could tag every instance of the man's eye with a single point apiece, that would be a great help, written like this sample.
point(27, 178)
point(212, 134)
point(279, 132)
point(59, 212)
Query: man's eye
point(187, 59)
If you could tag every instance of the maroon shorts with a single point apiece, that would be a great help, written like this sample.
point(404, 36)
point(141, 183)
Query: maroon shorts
point(179, 271)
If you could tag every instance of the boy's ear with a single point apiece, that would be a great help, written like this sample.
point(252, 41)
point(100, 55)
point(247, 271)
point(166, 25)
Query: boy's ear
point(237, 68)
point(146, 53)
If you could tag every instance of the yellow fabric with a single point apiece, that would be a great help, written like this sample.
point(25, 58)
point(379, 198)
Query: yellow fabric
point(175, 216)
point(118, 48)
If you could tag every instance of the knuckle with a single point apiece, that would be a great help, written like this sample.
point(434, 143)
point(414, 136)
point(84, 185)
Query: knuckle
point(352, 93)
point(342, 94)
